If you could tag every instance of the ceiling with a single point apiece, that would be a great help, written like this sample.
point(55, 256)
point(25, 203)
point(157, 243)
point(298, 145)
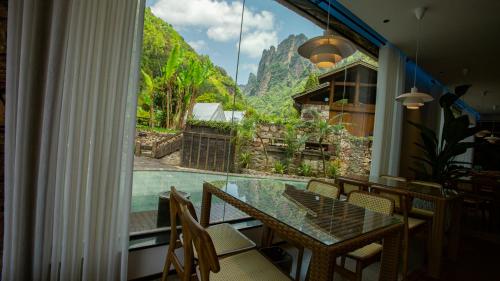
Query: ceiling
point(455, 35)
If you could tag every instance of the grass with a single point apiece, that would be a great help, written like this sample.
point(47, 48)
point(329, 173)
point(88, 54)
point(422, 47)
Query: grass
point(155, 129)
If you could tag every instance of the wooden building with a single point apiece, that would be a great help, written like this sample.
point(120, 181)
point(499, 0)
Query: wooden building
point(346, 94)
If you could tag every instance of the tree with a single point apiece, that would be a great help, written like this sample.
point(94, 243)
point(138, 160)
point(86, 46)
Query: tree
point(248, 131)
point(293, 142)
point(201, 70)
point(168, 79)
point(320, 129)
point(147, 95)
point(312, 81)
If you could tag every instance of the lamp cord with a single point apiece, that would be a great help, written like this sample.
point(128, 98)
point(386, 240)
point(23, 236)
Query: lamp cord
point(234, 100)
point(416, 53)
point(328, 16)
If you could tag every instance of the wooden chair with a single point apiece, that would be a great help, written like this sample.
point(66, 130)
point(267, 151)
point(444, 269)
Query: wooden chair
point(370, 253)
point(249, 265)
point(424, 212)
point(402, 203)
point(227, 240)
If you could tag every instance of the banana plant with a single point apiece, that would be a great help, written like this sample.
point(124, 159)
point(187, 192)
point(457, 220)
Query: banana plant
point(146, 97)
point(168, 79)
point(438, 161)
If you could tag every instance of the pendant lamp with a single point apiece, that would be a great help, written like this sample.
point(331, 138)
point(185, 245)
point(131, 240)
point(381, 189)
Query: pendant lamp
point(492, 138)
point(415, 99)
point(327, 50)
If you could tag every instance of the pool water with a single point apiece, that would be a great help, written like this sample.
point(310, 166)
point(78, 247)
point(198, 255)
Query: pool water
point(147, 185)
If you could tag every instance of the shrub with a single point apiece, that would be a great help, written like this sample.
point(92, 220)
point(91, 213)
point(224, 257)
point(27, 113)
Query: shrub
point(333, 168)
point(279, 167)
point(304, 170)
point(245, 159)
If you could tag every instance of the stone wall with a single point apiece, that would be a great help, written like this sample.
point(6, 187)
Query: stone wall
point(324, 111)
point(353, 154)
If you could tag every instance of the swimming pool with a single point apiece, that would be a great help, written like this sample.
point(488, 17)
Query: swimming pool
point(147, 185)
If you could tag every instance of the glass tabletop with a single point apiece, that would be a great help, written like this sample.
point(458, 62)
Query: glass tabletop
point(324, 219)
point(414, 188)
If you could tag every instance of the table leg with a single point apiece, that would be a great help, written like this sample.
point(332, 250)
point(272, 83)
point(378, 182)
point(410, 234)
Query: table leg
point(390, 257)
point(455, 229)
point(206, 205)
point(321, 266)
point(436, 239)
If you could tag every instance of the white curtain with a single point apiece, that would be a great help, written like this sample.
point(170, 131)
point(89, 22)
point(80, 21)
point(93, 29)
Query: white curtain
point(387, 133)
point(72, 79)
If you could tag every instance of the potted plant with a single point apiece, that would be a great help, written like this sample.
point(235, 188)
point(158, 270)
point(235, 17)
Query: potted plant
point(438, 161)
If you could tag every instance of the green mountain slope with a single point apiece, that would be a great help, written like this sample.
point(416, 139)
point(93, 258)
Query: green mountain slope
point(159, 95)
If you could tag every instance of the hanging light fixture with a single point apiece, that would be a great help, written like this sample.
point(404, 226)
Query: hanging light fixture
point(327, 50)
point(492, 138)
point(415, 99)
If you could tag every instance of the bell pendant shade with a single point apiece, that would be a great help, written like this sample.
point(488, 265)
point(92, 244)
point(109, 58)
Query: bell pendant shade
point(414, 99)
point(325, 51)
point(492, 139)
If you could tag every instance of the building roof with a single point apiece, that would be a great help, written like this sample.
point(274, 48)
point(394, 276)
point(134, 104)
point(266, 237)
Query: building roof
point(311, 90)
point(208, 112)
point(237, 115)
point(357, 58)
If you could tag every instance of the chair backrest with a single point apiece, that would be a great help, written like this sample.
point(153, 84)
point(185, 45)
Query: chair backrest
point(372, 202)
point(401, 179)
point(195, 235)
point(402, 200)
point(427, 183)
point(183, 269)
point(324, 188)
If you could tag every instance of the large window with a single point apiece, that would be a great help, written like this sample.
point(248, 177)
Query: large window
point(197, 122)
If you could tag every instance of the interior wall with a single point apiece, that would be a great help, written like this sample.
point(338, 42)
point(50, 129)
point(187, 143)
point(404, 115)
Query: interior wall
point(428, 115)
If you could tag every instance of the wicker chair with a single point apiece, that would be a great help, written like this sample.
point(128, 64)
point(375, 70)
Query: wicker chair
point(249, 265)
point(402, 203)
point(324, 188)
point(370, 253)
point(226, 239)
point(423, 212)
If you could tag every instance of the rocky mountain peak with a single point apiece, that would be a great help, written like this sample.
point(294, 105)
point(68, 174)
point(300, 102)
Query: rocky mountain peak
point(279, 65)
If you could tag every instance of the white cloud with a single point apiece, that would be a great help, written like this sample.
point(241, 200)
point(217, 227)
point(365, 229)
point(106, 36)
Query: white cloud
point(253, 43)
point(221, 21)
point(198, 45)
point(252, 67)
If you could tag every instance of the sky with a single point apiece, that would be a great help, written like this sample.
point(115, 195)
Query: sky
point(212, 28)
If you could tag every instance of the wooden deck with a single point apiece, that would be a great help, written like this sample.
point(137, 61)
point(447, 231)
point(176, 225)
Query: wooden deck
point(143, 221)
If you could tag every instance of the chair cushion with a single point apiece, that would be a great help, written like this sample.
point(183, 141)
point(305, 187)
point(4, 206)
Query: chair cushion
point(227, 239)
point(366, 252)
point(250, 265)
point(412, 222)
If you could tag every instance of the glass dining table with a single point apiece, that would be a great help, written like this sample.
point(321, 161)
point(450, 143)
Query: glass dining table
point(443, 200)
point(328, 227)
